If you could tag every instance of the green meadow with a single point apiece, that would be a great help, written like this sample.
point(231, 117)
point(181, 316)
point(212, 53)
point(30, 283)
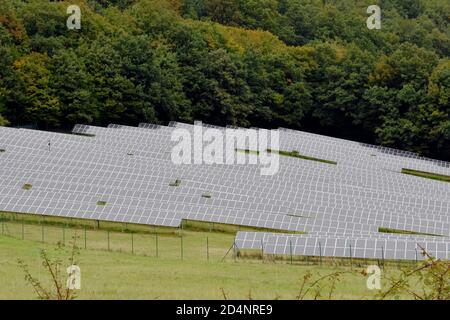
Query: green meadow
point(121, 261)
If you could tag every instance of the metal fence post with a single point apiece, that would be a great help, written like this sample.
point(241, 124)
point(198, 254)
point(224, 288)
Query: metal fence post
point(207, 249)
point(351, 257)
point(156, 244)
point(107, 232)
point(320, 252)
point(290, 248)
point(181, 247)
point(262, 251)
point(23, 230)
point(85, 238)
point(132, 243)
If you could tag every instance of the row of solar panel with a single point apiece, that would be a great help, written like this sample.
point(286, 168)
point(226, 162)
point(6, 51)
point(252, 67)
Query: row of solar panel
point(369, 246)
point(124, 165)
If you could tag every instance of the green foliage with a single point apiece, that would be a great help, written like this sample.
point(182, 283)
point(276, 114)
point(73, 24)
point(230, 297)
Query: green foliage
point(122, 4)
point(40, 104)
point(54, 267)
point(300, 64)
point(223, 11)
point(317, 286)
point(430, 280)
point(3, 121)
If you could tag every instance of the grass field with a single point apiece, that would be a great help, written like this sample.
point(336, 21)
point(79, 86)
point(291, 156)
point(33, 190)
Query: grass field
point(180, 270)
point(113, 275)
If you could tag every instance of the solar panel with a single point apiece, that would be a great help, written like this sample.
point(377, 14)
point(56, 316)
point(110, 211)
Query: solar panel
point(370, 246)
point(130, 169)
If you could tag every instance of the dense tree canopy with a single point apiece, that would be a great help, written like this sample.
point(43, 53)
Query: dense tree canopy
point(303, 64)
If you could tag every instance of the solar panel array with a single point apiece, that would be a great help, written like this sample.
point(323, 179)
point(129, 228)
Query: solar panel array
point(368, 246)
point(126, 174)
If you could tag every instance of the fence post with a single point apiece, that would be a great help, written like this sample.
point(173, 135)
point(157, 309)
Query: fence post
point(132, 242)
point(107, 232)
point(85, 236)
point(262, 251)
point(64, 234)
point(207, 249)
point(156, 244)
point(234, 251)
point(42, 236)
point(382, 254)
point(320, 252)
point(351, 257)
point(181, 246)
point(290, 248)
point(23, 230)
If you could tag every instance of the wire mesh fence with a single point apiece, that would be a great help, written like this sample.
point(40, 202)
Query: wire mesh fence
point(178, 244)
point(174, 244)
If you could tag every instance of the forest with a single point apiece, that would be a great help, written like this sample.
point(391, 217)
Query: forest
point(311, 65)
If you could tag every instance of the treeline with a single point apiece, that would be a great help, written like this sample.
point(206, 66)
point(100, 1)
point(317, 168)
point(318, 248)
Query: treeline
point(302, 64)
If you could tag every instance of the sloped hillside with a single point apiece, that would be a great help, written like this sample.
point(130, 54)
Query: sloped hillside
point(309, 64)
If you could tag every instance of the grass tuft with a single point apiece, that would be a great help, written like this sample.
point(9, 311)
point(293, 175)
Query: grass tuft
point(175, 183)
point(293, 154)
point(397, 231)
point(428, 175)
point(89, 135)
